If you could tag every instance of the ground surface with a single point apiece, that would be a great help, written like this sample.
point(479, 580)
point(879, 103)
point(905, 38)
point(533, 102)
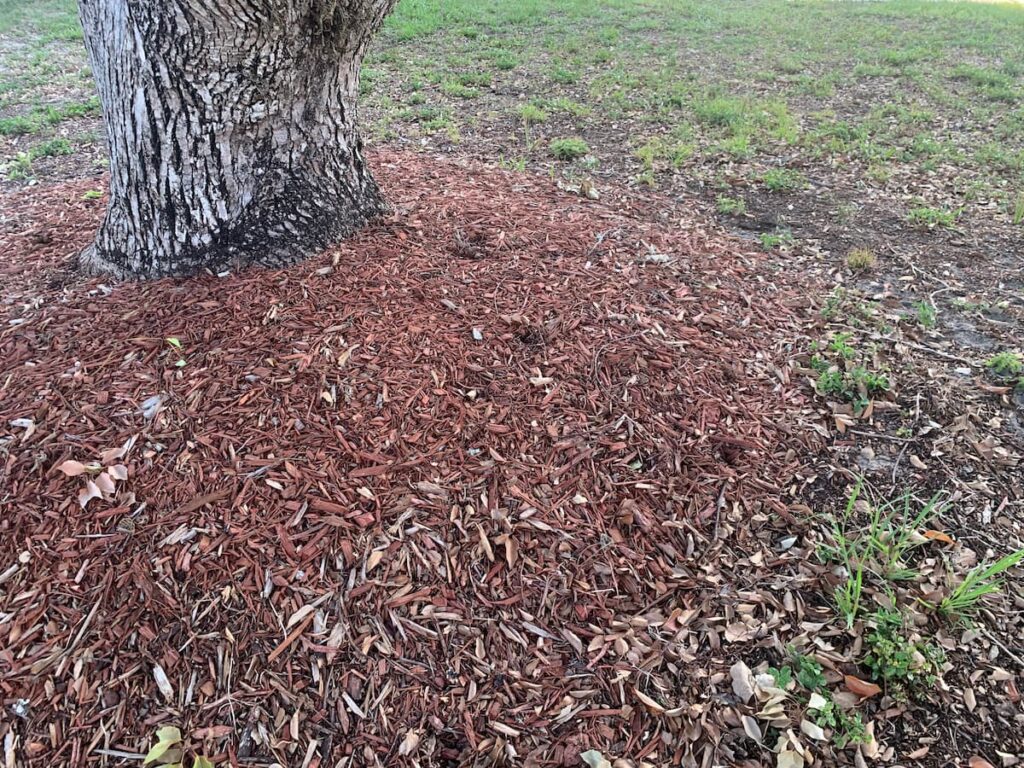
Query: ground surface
point(520, 474)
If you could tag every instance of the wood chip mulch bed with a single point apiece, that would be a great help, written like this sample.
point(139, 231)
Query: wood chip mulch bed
point(454, 492)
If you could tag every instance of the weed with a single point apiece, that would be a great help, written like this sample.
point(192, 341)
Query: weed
point(783, 677)
point(783, 180)
point(770, 241)
point(809, 672)
point(733, 206)
point(17, 126)
point(458, 90)
point(840, 345)
point(20, 168)
point(724, 112)
point(517, 164)
point(564, 76)
point(52, 148)
point(1006, 364)
point(929, 218)
point(658, 149)
point(569, 149)
point(980, 582)
point(1017, 216)
point(926, 314)
point(846, 728)
point(861, 260)
point(92, 194)
point(531, 113)
point(905, 666)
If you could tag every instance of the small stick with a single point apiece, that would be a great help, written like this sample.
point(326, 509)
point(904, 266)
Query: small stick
point(290, 639)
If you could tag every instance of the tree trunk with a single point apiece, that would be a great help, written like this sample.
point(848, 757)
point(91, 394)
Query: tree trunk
point(231, 126)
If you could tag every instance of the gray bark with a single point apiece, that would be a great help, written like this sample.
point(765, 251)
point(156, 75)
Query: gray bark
point(231, 126)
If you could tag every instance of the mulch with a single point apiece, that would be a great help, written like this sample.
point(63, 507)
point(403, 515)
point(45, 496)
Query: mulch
point(453, 493)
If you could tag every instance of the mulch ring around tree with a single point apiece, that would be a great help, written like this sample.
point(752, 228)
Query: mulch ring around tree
point(458, 491)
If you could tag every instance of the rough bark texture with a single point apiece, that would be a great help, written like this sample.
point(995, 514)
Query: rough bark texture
point(232, 130)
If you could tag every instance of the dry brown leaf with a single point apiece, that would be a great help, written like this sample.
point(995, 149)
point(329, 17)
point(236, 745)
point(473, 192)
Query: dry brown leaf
point(105, 484)
point(409, 743)
point(72, 468)
point(648, 701)
point(862, 688)
point(374, 560)
point(945, 538)
point(89, 493)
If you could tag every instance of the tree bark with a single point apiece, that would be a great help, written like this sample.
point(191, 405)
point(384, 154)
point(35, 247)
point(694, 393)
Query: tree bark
point(231, 126)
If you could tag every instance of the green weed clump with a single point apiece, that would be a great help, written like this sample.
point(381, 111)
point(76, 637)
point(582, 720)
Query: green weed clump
point(569, 149)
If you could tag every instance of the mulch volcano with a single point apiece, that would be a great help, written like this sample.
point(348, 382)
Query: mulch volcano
point(448, 493)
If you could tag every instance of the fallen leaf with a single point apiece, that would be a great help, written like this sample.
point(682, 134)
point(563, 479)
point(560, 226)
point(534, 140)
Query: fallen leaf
point(105, 484)
point(979, 762)
point(164, 684)
point(374, 559)
point(789, 759)
point(409, 743)
point(89, 493)
point(72, 468)
point(862, 688)
point(648, 701)
point(945, 538)
point(812, 730)
point(595, 759)
point(751, 728)
point(742, 681)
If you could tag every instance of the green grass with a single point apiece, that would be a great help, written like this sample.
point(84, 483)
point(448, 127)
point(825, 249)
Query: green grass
point(774, 86)
point(783, 180)
point(965, 599)
point(930, 218)
point(569, 149)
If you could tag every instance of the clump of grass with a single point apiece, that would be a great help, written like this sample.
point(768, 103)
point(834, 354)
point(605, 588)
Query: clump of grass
point(731, 206)
point(930, 218)
point(772, 240)
point(458, 90)
point(52, 148)
point(980, 582)
point(569, 148)
point(19, 125)
point(531, 113)
point(1017, 215)
point(659, 150)
point(879, 546)
point(783, 180)
point(19, 168)
point(564, 76)
point(722, 111)
point(861, 259)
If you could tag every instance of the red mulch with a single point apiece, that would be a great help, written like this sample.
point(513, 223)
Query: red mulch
point(442, 482)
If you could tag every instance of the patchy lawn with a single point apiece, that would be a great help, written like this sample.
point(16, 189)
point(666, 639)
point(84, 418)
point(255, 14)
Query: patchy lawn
point(833, 582)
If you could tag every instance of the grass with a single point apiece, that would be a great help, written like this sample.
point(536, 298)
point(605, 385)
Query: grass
point(569, 149)
point(877, 543)
point(758, 94)
point(861, 260)
point(965, 599)
point(783, 180)
point(930, 218)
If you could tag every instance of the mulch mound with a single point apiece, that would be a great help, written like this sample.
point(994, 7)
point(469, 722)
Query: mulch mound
point(450, 492)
